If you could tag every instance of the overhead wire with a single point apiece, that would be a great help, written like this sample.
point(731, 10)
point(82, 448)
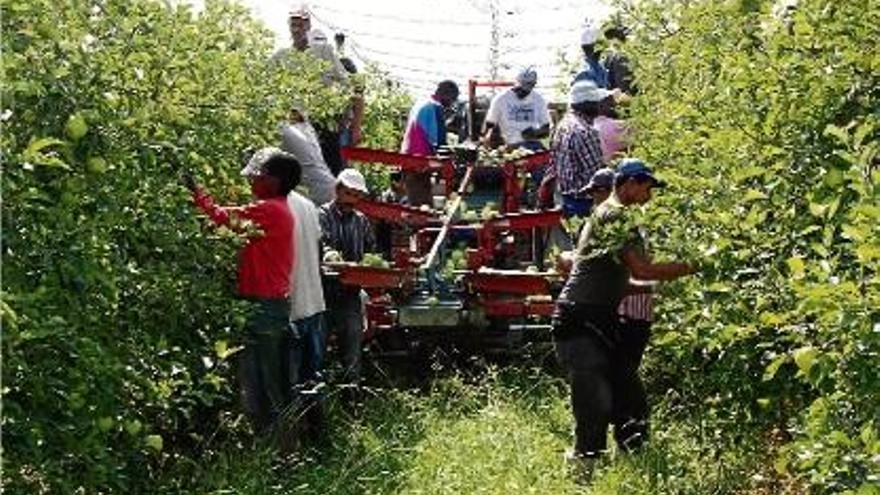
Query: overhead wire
point(425, 58)
point(420, 77)
point(406, 20)
point(443, 75)
point(415, 41)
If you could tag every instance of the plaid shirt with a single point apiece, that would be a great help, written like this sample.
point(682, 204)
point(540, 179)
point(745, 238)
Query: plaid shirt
point(577, 154)
point(349, 233)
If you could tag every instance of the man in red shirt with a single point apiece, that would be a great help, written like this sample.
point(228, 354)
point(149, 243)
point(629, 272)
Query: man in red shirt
point(263, 277)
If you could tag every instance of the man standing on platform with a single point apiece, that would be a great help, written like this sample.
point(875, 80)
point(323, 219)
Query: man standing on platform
point(425, 133)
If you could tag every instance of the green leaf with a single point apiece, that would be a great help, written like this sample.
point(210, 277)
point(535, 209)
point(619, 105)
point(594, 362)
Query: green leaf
point(856, 233)
point(805, 358)
point(773, 367)
point(133, 427)
point(837, 133)
point(719, 287)
point(34, 153)
point(796, 266)
point(818, 210)
point(753, 194)
point(154, 442)
point(38, 145)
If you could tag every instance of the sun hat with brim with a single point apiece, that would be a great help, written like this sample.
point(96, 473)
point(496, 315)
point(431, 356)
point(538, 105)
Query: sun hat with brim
point(587, 91)
point(601, 179)
point(352, 179)
point(256, 166)
point(633, 167)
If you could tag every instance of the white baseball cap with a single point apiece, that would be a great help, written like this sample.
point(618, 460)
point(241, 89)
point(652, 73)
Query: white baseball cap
point(353, 179)
point(590, 35)
point(582, 91)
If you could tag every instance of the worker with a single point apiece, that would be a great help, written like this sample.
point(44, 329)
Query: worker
point(614, 135)
point(425, 133)
point(263, 278)
point(586, 327)
point(521, 113)
point(347, 62)
point(306, 295)
point(300, 24)
point(349, 233)
point(593, 68)
point(616, 63)
point(299, 138)
point(307, 316)
point(322, 50)
point(577, 150)
point(346, 133)
point(600, 185)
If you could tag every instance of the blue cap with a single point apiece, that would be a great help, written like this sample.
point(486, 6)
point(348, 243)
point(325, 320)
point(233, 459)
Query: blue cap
point(633, 167)
point(601, 179)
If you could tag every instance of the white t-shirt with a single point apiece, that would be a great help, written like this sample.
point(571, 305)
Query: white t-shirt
point(514, 115)
point(302, 142)
point(307, 296)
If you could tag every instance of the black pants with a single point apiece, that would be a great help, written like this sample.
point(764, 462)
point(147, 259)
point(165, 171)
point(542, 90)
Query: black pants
point(631, 404)
point(330, 148)
point(597, 355)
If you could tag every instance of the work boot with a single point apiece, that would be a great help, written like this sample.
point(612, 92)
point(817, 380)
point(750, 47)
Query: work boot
point(580, 466)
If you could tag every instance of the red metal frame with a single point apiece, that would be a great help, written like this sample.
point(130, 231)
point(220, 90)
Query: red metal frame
point(512, 308)
point(511, 221)
point(369, 277)
point(509, 283)
point(406, 163)
point(396, 213)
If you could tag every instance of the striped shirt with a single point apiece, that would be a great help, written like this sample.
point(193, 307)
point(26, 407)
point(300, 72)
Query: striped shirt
point(349, 233)
point(577, 154)
point(638, 306)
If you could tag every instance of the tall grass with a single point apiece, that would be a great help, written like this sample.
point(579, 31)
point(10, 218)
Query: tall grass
point(502, 432)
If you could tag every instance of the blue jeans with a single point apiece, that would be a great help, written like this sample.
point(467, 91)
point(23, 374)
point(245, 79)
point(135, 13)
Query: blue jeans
point(308, 351)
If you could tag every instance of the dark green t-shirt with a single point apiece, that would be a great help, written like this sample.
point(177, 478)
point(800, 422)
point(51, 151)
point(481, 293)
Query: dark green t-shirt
point(599, 276)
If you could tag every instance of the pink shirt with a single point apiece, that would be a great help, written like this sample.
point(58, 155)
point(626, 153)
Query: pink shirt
point(613, 136)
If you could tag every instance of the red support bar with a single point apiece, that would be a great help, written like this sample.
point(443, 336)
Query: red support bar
point(395, 213)
point(407, 163)
point(524, 284)
point(525, 221)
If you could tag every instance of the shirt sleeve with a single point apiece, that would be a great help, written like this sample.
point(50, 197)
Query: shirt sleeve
point(204, 201)
point(494, 113)
point(238, 218)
